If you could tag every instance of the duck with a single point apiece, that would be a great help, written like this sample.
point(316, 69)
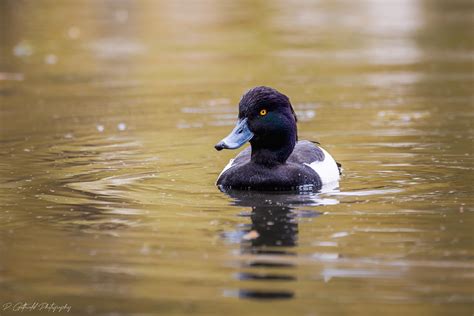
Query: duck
point(275, 160)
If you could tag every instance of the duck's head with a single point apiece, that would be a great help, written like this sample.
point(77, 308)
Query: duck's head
point(267, 120)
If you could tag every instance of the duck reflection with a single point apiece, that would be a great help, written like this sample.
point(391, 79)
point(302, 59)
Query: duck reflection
point(268, 242)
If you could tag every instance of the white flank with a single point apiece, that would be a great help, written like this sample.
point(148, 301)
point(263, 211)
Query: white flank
point(225, 168)
point(326, 169)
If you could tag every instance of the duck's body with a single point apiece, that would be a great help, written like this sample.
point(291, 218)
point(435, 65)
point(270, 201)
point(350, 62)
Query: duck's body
point(276, 160)
point(308, 166)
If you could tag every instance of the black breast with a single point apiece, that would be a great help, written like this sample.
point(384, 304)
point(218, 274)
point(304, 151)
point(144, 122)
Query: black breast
point(285, 177)
point(247, 175)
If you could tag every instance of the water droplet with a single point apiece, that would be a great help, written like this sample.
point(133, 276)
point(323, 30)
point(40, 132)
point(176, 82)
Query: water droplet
point(50, 59)
point(23, 49)
point(121, 16)
point(325, 256)
point(339, 235)
point(74, 32)
point(121, 126)
point(145, 250)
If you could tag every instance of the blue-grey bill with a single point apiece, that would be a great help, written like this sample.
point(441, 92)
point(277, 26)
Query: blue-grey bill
point(239, 136)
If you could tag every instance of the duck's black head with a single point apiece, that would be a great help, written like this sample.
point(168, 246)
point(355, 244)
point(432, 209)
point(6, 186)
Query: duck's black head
point(267, 120)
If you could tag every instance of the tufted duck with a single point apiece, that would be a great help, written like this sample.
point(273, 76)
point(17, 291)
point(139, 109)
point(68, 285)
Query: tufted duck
point(276, 160)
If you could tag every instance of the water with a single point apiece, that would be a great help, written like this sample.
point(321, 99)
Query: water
point(109, 113)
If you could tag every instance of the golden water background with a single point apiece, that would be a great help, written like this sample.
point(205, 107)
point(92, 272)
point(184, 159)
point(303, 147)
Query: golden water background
point(109, 111)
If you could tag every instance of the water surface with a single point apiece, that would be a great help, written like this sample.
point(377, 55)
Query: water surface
point(108, 116)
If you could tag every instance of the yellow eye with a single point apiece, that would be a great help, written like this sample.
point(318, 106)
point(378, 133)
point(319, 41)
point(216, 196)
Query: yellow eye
point(263, 112)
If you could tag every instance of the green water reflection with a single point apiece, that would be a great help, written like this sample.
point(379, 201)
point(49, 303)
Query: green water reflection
point(109, 111)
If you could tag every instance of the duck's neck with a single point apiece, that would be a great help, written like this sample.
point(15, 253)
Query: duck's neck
point(271, 153)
